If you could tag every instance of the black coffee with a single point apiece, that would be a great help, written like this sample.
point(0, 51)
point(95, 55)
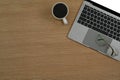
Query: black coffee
point(60, 10)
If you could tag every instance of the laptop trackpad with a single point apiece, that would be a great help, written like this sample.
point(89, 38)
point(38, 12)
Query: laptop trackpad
point(97, 41)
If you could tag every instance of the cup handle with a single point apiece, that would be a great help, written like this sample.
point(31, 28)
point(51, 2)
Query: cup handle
point(65, 21)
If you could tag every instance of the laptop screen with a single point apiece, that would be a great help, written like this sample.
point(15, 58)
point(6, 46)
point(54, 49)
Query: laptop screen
point(111, 4)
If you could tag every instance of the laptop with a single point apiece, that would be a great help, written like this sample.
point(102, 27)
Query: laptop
point(97, 26)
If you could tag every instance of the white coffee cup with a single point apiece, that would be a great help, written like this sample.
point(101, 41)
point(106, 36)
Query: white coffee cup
point(60, 11)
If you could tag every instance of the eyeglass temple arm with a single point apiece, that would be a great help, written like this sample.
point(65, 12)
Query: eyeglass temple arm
point(108, 45)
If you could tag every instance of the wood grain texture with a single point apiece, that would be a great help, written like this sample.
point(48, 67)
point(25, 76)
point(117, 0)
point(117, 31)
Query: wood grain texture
point(34, 46)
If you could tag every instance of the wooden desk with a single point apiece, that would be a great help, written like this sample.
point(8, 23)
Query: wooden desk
point(34, 46)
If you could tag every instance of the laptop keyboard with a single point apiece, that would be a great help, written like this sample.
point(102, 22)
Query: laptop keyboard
point(100, 22)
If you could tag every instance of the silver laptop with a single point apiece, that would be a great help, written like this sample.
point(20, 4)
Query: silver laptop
point(98, 26)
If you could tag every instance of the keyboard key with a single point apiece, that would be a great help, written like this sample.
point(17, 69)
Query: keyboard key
point(110, 35)
point(91, 23)
point(88, 21)
point(108, 30)
point(89, 26)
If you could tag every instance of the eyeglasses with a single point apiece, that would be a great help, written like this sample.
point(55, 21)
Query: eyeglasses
point(103, 42)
